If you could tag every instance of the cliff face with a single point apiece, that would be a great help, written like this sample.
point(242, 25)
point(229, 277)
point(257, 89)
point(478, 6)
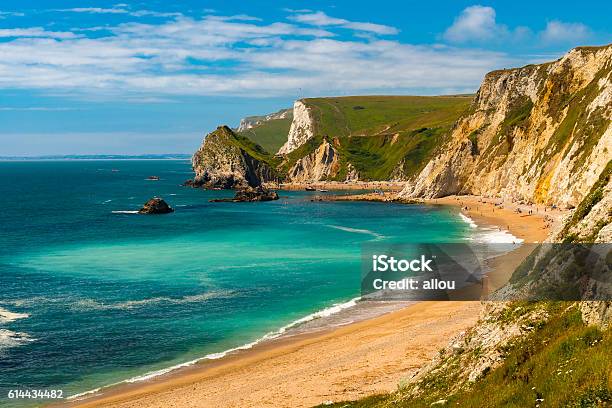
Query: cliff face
point(592, 219)
point(541, 133)
point(319, 165)
point(225, 160)
point(253, 121)
point(302, 128)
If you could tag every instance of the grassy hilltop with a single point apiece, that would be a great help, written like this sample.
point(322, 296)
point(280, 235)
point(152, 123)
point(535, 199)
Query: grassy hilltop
point(376, 134)
point(269, 134)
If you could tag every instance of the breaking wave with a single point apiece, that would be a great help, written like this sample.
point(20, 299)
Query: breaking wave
point(328, 311)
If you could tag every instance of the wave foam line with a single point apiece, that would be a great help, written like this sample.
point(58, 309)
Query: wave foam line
point(468, 220)
point(491, 235)
point(133, 304)
point(328, 311)
point(9, 338)
point(125, 212)
point(8, 316)
point(357, 231)
point(497, 236)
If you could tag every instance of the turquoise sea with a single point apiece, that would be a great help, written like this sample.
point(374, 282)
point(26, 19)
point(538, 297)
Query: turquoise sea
point(91, 294)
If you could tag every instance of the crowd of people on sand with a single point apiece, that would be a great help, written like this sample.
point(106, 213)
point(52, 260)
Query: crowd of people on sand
point(527, 209)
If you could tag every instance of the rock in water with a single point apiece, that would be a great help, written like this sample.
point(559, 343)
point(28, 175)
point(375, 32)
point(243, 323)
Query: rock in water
point(155, 206)
point(255, 194)
point(250, 194)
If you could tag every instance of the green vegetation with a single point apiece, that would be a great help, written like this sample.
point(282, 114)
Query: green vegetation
point(561, 362)
point(269, 134)
point(473, 138)
point(517, 117)
point(377, 133)
point(226, 135)
point(586, 205)
point(578, 125)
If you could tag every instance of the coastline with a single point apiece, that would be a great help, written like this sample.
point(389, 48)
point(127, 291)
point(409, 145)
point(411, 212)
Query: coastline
point(341, 186)
point(334, 363)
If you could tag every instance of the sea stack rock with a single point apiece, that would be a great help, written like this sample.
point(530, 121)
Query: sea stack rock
point(250, 194)
point(155, 206)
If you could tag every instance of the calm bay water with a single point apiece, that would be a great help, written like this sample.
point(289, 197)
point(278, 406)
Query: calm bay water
point(89, 297)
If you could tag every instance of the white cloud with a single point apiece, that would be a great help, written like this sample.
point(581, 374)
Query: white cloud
point(560, 32)
point(98, 10)
point(318, 18)
point(290, 10)
point(321, 19)
point(218, 55)
point(121, 9)
point(474, 23)
point(34, 32)
point(5, 14)
point(150, 13)
point(477, 24)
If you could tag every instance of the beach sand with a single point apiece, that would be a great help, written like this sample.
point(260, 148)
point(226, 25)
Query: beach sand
point(339, 185)
point(345, 363)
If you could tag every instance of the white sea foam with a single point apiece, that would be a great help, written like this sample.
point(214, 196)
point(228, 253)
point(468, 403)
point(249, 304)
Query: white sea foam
point(88, 393)
point(214, 356)
point(357, 231)
point(107, 201)
point(91, 304)
point(7, 316)
point(268, 336)
point(9, 338)
point(468, 220)
point(496, 236)
point(491, 235)
point(125, 212)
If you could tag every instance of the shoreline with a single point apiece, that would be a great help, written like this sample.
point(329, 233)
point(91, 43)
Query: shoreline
point(342, 186)
point(206, 372)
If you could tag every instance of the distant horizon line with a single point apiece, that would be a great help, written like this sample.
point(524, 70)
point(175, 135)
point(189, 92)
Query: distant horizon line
point(160, 156)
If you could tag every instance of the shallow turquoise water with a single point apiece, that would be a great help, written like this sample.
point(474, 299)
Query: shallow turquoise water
point(112, 296)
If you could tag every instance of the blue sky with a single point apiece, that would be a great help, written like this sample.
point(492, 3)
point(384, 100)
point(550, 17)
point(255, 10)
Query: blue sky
point(94, 77)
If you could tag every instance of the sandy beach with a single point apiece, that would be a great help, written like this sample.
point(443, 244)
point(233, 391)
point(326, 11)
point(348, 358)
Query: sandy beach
point(340, 185)
point(344, 363)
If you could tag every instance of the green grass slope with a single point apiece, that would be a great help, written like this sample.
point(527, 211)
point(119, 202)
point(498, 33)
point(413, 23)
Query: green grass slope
point(270, 134)
point(561, 363)
point(378, 133)
point(252, 148)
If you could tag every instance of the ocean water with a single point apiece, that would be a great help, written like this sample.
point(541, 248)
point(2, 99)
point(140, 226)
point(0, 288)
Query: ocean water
point(91, 294)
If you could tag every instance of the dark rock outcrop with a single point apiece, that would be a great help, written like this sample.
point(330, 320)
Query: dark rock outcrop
point(250, 194)
point(155, 206)
point(192, 183)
